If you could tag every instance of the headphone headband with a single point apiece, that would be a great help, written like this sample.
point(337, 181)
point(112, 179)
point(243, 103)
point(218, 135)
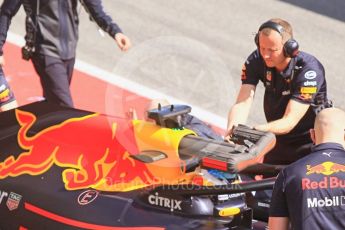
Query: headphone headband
point(290, 46)
point(273, 26)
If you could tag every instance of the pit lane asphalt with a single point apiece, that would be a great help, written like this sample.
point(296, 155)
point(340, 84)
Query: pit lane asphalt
point(193, 50)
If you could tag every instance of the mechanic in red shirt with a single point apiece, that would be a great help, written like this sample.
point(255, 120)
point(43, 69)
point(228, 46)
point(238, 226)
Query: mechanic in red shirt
point(310, 193)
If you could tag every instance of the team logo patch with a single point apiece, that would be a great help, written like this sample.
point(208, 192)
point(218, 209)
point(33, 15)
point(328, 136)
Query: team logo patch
point(269, 76)
point(326, 168)
point(13, 201)
point(305, 96)
point(334, 201)
point(327, 182)
point(310, 83)
point(311, 74)
point(310, 90)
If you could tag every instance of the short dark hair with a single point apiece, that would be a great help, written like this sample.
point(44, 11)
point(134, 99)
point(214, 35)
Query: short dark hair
point(287, 32)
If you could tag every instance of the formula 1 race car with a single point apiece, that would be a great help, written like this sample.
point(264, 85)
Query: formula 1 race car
point(63, 168)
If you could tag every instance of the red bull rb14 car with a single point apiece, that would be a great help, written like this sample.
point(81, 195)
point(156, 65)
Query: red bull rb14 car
point(63, 168)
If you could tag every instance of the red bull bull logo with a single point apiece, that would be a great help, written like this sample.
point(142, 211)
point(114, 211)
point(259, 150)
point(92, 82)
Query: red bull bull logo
point(326, 168)
point(96, 152)
point(94, 149)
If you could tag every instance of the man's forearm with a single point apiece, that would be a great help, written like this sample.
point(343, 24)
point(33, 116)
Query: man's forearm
point(293, 114)
point(238, 115)
point(104, 21)
point(278, 223)
point(8, 9)
point(278, 127)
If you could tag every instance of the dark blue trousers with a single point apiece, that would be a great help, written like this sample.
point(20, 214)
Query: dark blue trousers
point(55, 77)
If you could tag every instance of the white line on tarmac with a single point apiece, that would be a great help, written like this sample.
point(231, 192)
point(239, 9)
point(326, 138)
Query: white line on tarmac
point(129, 85)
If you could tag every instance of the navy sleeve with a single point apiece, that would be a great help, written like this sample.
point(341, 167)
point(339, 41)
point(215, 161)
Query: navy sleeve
point(8, 9)
point(307, 84)
point(96, 11)
point(278, 206)
point(250, 70)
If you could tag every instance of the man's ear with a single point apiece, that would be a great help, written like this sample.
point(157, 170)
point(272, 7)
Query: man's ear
point(312, 134)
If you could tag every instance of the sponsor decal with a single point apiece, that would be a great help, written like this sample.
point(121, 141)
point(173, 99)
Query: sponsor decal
point(13, 201)
point(87, 197)
point(90, 162)
point(229, 196)
point(310, 75)
point(244, 74)
point(309, 90)
point(333, 201)
point(310, 83)
point(5, 95)
point(326, 168)
point(264, 205)
point(165, 202)
point(305, 96)
point(2, 87)
point(3, 195)
point(326, 183)
point(327, 154)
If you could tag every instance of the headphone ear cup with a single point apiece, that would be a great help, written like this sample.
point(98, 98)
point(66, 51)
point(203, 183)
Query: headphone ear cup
point(256, 39)
point(291, 48)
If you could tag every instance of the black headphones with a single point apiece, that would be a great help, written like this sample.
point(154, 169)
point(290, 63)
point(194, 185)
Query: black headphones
point(290, 46)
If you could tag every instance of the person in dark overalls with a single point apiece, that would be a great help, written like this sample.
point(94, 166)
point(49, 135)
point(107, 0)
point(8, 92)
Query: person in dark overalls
point(310, 193)
point(51, 39)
